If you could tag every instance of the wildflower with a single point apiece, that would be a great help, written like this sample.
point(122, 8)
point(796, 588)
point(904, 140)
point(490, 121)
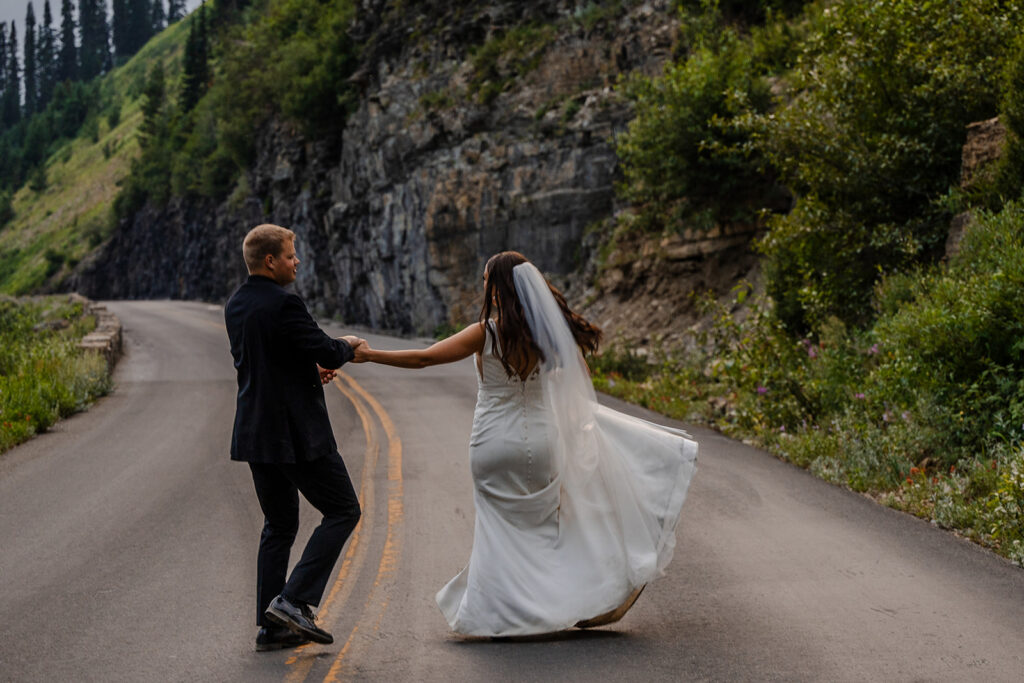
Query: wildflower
point(811, 352)
point(935, 480)
point(782, 428)
point(906, 416)
point(762, 390)
point(909, 480)
point(952, 469)
point(859, 396)
point(28, 418)
point(914, 470)
point(886, 416)
point(873, 351)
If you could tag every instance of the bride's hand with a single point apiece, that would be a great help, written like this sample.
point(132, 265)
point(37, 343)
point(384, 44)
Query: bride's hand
point(360, 348)
point(362, 353)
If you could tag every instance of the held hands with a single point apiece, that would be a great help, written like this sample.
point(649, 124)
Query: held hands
point(360, 347)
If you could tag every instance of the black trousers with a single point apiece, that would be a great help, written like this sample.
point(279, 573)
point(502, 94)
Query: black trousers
point(325, 483)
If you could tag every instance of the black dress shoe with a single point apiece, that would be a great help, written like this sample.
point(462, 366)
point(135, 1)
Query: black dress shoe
point(278, 638)
point(298, 618)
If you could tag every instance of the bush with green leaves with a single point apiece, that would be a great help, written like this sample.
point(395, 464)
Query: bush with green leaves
point(683, 160)
point(869, 140)
point(958, 342)
point(1008, 182)
point(293, 59)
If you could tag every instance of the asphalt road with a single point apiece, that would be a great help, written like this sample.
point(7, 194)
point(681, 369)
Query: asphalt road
point(128, 551)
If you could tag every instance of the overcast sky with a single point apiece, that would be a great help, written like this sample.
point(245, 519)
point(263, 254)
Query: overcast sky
point(15, 10)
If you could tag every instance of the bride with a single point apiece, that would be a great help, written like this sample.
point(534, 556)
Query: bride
point(576, 504)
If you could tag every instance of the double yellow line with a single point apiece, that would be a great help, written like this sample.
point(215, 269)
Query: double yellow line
point(367, 407)
point(301, 663)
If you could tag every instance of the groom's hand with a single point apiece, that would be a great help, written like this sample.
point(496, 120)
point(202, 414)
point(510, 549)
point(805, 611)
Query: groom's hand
point(326, 374)
point(353, 341)
point(359, 347)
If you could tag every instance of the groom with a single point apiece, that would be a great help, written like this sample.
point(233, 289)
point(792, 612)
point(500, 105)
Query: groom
point(282, 430)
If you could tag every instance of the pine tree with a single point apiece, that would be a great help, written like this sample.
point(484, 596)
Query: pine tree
point(12, 93)
point(94, 52)
point(30, 74)
point(3, 65)
point(203, 71)
point(67, 58)
point(87, 68)
point(46, 58)
point(189, 81)
point(119, 28)
point(134, 23)
point(141, 22)
point(158, 17)
point(175, 11)
point(196, 61)
point(152, 106)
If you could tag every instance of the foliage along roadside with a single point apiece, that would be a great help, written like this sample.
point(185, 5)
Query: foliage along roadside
point(869, 361)
point(44, 376)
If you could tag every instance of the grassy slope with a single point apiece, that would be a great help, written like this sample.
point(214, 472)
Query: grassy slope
point(72, 215)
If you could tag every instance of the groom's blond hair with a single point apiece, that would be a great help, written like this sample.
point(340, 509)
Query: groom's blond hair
point(262, 240)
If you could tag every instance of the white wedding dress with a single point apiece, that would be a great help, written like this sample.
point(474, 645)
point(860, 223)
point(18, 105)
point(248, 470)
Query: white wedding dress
point(576, 504)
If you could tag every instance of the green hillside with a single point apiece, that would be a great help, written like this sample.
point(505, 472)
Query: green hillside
point(54, 228)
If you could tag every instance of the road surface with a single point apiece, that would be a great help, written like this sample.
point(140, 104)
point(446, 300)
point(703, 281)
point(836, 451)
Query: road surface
point(128, 551)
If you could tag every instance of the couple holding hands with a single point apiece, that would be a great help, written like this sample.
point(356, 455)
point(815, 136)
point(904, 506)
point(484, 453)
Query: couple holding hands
point(576, 504)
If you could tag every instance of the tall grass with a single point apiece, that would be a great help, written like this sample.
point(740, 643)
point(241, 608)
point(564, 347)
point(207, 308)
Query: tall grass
point(44, 376)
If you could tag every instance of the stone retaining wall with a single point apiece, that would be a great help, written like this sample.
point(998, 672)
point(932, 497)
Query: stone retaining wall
point(106, 338)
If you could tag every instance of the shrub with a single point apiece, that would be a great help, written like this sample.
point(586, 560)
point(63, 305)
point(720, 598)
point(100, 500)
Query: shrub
point(682, 157)
point(959, 341)
point(506, 57)
point(870, 139)
point(1009, 175)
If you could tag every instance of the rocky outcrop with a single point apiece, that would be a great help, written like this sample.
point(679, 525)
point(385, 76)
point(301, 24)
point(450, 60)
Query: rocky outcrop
point(985, 143)
point(446, 160)
point(648, 290)
point(435, 170)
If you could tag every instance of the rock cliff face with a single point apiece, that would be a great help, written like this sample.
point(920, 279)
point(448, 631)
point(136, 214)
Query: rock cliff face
point(446, 161)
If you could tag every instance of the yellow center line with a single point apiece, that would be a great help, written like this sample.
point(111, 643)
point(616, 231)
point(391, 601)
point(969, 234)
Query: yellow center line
point(377, 602)
point(355, 556)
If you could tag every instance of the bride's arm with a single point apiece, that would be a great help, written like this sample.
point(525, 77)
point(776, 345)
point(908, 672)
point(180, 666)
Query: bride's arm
point(456, 347)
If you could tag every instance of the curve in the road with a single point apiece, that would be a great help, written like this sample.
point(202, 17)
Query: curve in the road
point(377, 602)
point(301, 663)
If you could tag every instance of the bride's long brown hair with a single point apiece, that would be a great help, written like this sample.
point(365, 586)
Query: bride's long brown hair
point(517, 346)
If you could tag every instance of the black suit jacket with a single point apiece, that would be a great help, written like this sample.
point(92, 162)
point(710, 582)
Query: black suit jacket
point(280, 416)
